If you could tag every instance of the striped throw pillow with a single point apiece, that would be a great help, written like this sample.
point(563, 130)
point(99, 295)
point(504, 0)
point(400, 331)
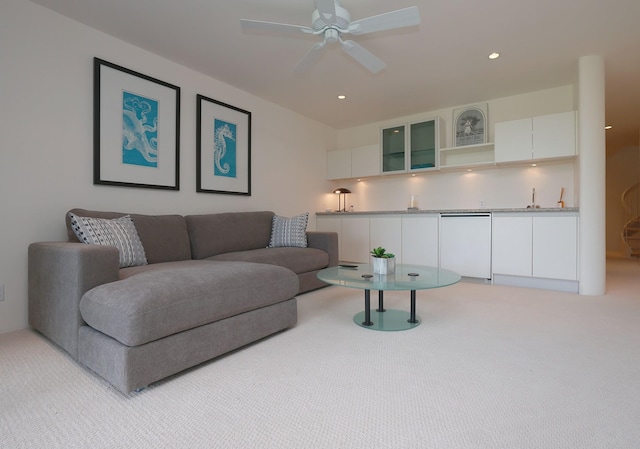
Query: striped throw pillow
point(289, 231)
point(118, 232)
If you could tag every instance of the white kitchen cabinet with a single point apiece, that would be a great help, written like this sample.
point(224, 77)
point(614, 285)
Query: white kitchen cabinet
point(420, 240)
point(536, 245)
point(354, 244)
point(536, 138)
point(357, 162)
point(386, 232)
point(365, 161)
point(465, 244)
point(513, 140)
point(511, 245)
point(554, 135)
point(555, 247)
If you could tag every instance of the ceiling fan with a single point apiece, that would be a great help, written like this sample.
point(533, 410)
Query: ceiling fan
point(332, 21)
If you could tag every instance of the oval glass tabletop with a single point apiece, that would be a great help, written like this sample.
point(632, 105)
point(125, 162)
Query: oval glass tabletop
point(406, 277)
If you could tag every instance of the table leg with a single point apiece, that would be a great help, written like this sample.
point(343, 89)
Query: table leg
point(412, 317)
point(367, 308)
point(380, 301)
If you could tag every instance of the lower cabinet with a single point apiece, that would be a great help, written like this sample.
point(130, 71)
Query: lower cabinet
point(386, 232)
point(528, 249)
point(538, 245)
point(420, 240)
point(413, 240)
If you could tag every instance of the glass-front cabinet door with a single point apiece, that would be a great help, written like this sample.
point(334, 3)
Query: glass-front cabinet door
point(412, 147)
point(393, 149)
point(423, 149)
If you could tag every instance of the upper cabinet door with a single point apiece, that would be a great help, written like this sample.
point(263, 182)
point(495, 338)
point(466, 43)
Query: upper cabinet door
point(542, 137)
point(393, 149)
point(513, 140)
point(365, 161)
point(554, 135)
point(423, 145)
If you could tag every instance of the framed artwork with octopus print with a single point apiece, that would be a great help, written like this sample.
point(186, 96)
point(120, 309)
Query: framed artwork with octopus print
point(136, 129)
point(223, 148)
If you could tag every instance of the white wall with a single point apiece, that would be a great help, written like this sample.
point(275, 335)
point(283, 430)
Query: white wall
point(46, 109)
point(504, 187)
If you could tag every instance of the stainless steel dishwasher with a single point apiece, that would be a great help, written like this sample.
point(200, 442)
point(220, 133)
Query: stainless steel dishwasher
point(465, 244)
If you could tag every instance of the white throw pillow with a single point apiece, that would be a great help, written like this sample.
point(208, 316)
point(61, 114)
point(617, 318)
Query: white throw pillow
point(118, 232)
point(289, 231)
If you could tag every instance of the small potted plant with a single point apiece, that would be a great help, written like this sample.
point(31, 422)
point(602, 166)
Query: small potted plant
point(383, 262)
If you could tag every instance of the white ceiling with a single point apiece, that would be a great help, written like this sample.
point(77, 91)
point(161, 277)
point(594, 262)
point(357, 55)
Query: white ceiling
point(440, 63)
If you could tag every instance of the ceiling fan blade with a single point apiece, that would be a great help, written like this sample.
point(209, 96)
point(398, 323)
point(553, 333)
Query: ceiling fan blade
point(272, 26)
point(387, 21)
point(363, 56)
point(310, 58)
point(327, 10)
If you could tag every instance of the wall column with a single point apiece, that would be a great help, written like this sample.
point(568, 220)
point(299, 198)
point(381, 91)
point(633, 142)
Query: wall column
point(592, 186)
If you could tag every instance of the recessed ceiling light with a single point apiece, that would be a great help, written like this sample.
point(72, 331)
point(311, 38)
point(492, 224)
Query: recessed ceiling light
point(341, 97)
point(608, 127)
point(494, 55)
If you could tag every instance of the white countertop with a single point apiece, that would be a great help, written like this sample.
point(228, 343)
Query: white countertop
point(454, 211)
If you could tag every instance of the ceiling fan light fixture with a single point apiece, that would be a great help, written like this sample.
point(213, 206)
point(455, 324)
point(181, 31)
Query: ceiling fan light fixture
point(331, 35)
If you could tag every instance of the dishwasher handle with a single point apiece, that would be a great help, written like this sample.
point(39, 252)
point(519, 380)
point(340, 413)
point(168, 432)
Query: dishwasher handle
point(466, 215)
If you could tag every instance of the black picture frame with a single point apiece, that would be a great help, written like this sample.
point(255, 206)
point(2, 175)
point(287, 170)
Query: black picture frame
point(223, 148)
point(136, 129)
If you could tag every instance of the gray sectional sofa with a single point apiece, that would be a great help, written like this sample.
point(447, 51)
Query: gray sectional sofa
point(210, 285)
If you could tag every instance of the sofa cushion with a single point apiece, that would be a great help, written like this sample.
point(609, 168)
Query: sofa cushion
point(214, 234)
point(117, 232)
point(164, 237)
point(298, 260)
point(289, 231)
point(158, 300)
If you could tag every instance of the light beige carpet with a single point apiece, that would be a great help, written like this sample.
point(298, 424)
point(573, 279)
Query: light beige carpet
point(488, 367)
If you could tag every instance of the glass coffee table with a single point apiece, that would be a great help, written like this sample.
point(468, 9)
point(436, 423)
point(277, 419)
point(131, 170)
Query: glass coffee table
point(406, 277)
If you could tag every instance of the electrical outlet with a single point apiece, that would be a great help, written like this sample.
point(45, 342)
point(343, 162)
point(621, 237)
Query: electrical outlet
point(1, 292)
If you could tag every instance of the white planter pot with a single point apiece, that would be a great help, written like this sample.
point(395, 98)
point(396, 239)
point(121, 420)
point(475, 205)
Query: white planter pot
point(383, 266)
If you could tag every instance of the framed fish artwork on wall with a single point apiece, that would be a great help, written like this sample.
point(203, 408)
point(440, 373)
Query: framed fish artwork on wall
point(136, 129)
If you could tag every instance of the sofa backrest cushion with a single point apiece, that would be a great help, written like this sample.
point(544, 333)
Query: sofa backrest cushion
point(164, 237)
point(214, 234)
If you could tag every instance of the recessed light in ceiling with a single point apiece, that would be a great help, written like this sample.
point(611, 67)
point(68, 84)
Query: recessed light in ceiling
point(342, 97)
point(494, 55)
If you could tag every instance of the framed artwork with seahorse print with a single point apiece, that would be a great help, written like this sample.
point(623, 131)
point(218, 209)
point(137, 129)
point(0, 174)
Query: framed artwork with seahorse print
point(136, 129)
point(223, 148)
